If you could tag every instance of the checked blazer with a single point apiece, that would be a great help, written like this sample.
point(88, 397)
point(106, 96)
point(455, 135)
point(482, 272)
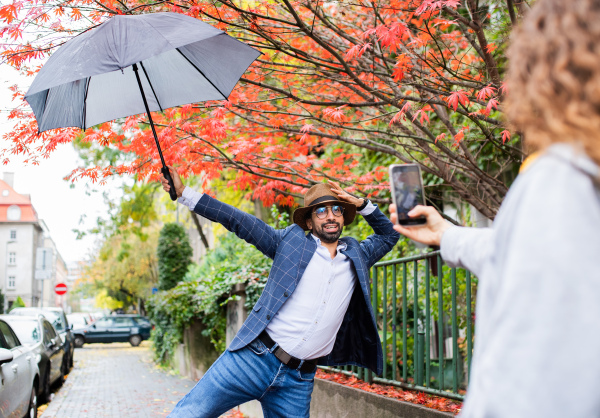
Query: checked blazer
point(357, 341)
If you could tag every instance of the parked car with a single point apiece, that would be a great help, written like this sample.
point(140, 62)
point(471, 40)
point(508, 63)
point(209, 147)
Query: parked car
point(20, 376)
point(58, 319)
point(79, 319)
point(113, 329)
point(37, 333)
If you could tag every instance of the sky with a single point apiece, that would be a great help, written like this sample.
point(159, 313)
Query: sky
point(56, 202)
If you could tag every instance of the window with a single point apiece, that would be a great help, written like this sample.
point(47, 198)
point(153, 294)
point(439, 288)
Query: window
point(12, 282)
point(11, 339)
point(49, 332)
point(104, 323)
point(13, 213)
point(28, 332)
point(13, 234)
point(124, 322)
point(12, 258)
point(143, 321)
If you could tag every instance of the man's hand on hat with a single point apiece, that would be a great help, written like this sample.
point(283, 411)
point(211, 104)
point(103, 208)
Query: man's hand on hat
point(345, 196)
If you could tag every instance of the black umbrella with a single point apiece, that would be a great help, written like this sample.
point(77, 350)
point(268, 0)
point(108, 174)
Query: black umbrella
point(134, 64)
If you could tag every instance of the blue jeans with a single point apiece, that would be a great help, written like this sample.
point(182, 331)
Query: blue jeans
point(252, 372)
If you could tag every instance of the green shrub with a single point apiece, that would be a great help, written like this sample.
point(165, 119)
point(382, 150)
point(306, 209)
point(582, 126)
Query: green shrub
point(18, 303)
point(174, 255)
point(204, 294)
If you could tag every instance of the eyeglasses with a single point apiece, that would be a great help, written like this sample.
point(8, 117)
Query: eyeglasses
point(321, 211)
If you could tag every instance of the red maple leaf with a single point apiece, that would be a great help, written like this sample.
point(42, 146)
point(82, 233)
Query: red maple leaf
point(457, 97)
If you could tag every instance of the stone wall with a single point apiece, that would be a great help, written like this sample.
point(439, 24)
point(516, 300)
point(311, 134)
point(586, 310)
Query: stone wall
point(333, 400)
point(196, 354)
point(236, 313)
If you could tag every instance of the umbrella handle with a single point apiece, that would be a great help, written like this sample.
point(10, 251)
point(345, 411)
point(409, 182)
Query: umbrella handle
point(172, 193)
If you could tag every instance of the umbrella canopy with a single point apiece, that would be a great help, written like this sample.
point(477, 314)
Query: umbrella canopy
point(90, 79)
point(134, 64)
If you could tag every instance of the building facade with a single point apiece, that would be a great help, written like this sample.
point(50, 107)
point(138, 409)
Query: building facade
point(22, 233)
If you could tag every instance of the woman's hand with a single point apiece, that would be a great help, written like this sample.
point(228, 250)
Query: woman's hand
point(430, 233)
point(176, 182)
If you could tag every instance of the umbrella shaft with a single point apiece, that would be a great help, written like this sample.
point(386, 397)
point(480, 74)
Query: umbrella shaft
point(137, 76)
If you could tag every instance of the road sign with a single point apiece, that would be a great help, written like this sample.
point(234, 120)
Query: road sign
point(60, 289)
point(43, 263)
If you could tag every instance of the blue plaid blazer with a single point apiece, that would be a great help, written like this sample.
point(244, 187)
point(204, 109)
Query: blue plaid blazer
point(357, 341)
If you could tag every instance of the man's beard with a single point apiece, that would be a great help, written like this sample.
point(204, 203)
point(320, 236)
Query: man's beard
point(327, 237)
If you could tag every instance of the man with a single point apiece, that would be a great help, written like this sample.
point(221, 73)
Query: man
point(315, 308)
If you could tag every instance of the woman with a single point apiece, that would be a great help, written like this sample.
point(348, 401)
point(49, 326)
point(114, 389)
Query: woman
point(537, 348)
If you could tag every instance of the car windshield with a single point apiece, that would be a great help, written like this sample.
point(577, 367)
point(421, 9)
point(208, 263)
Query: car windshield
point(55, 319)
point(27, 331)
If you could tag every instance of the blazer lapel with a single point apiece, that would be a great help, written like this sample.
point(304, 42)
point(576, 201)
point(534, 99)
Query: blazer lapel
point(308, 250)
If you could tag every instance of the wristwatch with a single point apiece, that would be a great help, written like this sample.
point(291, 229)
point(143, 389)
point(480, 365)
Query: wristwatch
point(364, 205)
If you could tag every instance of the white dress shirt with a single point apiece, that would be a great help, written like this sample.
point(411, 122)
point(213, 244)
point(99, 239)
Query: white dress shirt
point(307, 323)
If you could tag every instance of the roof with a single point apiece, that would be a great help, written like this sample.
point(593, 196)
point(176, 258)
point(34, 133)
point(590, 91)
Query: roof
point(21, 318)
point(9, 197)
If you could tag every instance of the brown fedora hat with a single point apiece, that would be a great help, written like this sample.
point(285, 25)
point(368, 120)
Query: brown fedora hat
point(321, 194)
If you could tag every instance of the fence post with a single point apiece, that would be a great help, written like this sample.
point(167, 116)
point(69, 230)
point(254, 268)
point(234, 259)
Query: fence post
point(420, 358)
point(440, 295)
point(369, 377)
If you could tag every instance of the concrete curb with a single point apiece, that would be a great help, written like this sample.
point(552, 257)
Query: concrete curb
point(59, 397)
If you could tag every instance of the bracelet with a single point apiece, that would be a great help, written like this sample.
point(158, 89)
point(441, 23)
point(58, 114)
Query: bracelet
point(364, 205)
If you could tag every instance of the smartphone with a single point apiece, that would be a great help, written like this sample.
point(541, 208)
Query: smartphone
point(406, 185)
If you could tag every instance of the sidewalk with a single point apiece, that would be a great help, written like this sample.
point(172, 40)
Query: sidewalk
point(117, 380)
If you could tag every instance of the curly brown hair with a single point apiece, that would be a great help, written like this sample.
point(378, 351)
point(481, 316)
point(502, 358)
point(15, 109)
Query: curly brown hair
point(554, 76)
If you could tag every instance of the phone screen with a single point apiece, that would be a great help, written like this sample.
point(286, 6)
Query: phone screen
point(407, 192)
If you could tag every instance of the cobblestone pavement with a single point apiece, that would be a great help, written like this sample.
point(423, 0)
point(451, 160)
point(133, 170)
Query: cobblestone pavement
point(117, 380)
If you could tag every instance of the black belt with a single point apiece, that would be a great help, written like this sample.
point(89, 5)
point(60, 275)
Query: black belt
point(308, 366)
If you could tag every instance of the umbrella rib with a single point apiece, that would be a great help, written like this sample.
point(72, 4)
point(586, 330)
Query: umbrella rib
point(200, 71)
point(87, 86)
point(44, 111)
point(151, 86)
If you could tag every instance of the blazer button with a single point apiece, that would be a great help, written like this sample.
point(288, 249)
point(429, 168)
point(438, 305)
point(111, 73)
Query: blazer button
point(286, 294)
point(268, 317)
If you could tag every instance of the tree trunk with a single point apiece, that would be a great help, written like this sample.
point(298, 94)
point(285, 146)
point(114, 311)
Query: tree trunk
point(199, 228)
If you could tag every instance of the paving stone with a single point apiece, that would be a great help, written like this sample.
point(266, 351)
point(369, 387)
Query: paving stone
point(117, 380)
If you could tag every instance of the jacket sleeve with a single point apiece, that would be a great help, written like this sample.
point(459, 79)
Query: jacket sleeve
point(382, 241)
point(247, 227)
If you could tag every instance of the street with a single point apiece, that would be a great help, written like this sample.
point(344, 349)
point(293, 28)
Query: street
point(116, 380)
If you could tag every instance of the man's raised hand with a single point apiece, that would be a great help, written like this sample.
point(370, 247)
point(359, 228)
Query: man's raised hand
point(345, 196)
point(430, 233)
point(176, 182)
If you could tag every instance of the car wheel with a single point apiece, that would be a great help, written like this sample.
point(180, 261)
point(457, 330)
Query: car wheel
point(45, 395)
point(32, 410)
point(135, 340)
point(79, 341)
